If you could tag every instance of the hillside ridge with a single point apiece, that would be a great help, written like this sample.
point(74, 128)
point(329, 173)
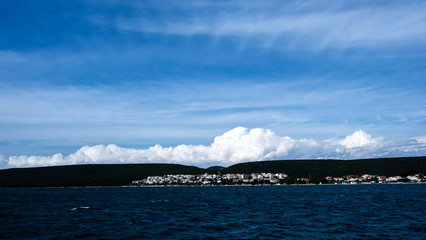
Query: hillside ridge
point(124, 174)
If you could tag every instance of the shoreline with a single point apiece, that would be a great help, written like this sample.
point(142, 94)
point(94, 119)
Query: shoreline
point(262, 185)
point(272, 185)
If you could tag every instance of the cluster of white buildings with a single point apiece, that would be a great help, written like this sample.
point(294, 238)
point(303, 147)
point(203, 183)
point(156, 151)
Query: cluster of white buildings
point(213, 179)
point(267, 178)
point(367, 178)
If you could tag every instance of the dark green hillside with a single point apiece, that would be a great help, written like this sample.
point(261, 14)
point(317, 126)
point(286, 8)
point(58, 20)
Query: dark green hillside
point(88, 175)
point(124, 174)
point(318, 169)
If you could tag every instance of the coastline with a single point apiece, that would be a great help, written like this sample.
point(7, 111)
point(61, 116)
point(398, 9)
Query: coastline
point(260, 185)
point(278, 185)
point(250, 173)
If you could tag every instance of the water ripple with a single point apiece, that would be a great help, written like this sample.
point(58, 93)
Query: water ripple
point(268, 212)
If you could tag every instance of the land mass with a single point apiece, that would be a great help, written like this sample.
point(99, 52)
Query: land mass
point(124, 174)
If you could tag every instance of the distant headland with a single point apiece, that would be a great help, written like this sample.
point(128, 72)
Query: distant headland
point(316, 171)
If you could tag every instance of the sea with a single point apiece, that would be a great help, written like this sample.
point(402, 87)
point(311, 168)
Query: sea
point(388, 211)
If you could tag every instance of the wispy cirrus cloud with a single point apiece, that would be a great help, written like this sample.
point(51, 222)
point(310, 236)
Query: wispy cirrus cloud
point(291, 24)
point(187, 113)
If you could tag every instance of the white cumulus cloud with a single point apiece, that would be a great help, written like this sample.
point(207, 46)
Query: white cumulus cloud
point(237, 145)
point(241, 144)
point(358, 139)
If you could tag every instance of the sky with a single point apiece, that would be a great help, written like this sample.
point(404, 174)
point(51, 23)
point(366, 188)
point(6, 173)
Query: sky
point(210, 82)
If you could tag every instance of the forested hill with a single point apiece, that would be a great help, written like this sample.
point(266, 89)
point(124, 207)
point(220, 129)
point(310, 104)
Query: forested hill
point(124, 174)
point(319, 169)
point(89, 175)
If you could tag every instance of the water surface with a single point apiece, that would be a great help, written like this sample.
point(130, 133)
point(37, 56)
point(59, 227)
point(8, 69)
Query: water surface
point(237, 212)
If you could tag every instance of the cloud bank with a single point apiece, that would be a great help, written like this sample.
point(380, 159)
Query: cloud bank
point(237, 145)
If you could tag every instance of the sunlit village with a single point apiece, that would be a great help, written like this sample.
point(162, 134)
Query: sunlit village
point(270, 179)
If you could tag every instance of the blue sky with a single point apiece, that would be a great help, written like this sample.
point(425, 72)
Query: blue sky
point(140, 73)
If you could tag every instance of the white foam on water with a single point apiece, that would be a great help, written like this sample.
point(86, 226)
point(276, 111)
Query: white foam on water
point(77, 208)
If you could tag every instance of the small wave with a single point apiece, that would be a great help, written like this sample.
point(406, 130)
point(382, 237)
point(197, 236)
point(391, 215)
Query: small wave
point(78, 208)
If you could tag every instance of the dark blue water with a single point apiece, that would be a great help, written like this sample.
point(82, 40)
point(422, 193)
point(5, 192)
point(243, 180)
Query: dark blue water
point(258, 212)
